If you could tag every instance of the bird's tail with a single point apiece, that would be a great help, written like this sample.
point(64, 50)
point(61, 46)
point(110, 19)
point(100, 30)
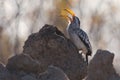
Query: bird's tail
point(88, 54)
point(87, 59)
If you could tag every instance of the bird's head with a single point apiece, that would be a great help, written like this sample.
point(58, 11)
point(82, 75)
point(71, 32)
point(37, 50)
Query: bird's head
point(74, 19)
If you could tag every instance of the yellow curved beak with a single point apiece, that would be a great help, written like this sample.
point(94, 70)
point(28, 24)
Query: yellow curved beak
point(66, 16)
point(70, 12)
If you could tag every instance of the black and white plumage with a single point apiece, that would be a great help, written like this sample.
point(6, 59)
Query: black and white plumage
point(78, 36)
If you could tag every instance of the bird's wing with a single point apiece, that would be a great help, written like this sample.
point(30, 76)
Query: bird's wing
point(84, 38)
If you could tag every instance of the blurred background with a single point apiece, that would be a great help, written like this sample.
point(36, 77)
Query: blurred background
point(99, 18)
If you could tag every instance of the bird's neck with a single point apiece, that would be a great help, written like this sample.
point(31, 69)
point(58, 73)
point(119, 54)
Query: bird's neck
point(73, 26)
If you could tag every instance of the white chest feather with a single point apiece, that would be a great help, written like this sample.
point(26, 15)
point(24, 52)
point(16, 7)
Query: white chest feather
point(77, 41)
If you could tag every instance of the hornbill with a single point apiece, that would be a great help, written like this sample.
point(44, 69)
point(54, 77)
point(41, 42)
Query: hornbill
point(77, 35)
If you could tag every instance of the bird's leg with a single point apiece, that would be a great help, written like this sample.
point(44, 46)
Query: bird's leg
point(85, 56)
point(80, 52)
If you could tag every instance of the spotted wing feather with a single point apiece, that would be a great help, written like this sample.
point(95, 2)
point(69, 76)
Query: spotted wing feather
point(84, 38)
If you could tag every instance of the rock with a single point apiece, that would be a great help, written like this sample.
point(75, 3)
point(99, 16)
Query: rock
point(53, 73)
point(101, 67)
point(28, 77)
point(50, 47)
point(2, 68)
point(23, 62)
point(4, 74)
